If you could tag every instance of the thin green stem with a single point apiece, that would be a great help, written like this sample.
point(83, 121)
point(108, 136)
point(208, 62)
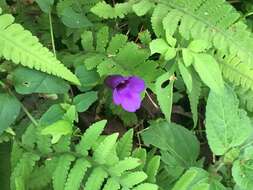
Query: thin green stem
point(52, 33)
point(32, 119)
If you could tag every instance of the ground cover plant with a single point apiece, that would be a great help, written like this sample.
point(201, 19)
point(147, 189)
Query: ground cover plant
point(129, 95)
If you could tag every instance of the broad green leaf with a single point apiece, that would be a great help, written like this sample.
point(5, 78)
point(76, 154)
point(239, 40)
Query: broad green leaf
point(209, 71)
point(186, 75)
point(197, 179)
point(199, 45)
point(27, 81)
point(9, 110)
point(142, 7)
point(58, 129)
point(87, 41)
point(152, 168)
point(45, 5)
point(178, 145)
point(165, 94)
point(84, 101)
point(88, 78)
point(242, 170)
point(227, 126)
point(73, 19)
point(53, 114)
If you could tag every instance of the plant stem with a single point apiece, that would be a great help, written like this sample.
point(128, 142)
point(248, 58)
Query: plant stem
point(33, 120)
point(152, 101)
point(52, 33)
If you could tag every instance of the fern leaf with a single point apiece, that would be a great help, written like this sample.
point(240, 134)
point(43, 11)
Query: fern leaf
point(152, 168)
point(61, 172)
point(21, 47)
point(124, 165)
point(76, 174)
point(87, 41)
point(16, 154)
point(140, 153)
point(132, 179)
point(142, 7)
point(41, 176)
point(63, 145)
point(22, 171)
point(124, 145)
point(237, 72)
point(146, 186)
point(111, 184)
point(117, 42)
point(246, 98)
point(102, 39)
point(28, 138)
point(43, 143)
point(213, 21)
point(96, 179)
point(104, 149)
point(104, 10)
point(90, 137)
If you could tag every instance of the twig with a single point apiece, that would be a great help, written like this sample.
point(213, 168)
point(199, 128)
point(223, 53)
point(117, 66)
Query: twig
point(152, 101)
point(52, 33)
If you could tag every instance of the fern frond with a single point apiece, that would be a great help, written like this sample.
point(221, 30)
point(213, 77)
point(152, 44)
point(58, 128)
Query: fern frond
point(245, 97)
point(90, 137)
point(111, 184)
point(96, 179)
point(41, 176)
point(132, 179)
point(152, 168)
point(105, 148)
point(104, 10)
point(212, 21)
point(21, 47)
point(237, 72)
point(146, 186)
point(124, 165)
point(76, 174)
point(61, 172)
point(23, 170)
point(124, 145)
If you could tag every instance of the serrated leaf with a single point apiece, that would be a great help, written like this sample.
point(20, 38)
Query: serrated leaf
point(90, 137)
point(227, 126)
point(132, 179)
point(125, 145)
point(158, 46)
point(104, 149)
point(152, 168)
point(199, 45)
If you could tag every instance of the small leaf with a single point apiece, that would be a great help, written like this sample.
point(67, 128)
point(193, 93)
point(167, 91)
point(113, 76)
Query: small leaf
point(142, 7)
point(165, 94)
point(57, 130)
point(9, 110)
point(84, 101)
point(199, 45)
point(45, 5)
point(209, 71)
point(72, 19)
point(159, 46)
point(186, 75)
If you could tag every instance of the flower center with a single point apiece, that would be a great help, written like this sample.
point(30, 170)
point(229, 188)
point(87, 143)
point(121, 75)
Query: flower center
point(122, 84)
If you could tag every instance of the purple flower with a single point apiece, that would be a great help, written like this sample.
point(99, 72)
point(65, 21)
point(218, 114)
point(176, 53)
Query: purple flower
point(126, 91)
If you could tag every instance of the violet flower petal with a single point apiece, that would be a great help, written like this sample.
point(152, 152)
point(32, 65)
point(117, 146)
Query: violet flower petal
point(116, 97)
point(114, 80)
point(131, 102)
point(136, 84)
